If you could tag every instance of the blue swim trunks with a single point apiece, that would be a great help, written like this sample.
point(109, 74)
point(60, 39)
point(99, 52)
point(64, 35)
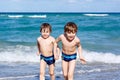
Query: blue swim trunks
point(49, 60)
point(68, 58)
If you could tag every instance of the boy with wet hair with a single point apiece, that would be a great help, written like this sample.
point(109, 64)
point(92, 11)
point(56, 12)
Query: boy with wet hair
point(69, 54)
point(45, 45)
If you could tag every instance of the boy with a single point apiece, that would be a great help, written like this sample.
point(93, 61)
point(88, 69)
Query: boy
point(45, 45)
point(69, 43)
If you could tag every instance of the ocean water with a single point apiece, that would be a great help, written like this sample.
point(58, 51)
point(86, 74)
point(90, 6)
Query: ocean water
point(99, 35)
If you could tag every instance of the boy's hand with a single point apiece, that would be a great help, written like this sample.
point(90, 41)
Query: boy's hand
point(56, 57)
point(38, 53)
point(82, 61)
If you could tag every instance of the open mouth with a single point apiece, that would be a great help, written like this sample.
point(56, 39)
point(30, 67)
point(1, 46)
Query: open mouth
point(71, 38)
point(45, 36)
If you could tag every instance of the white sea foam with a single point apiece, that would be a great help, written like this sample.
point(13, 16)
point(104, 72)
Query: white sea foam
point(22, 53)
point(89, 71)
point(19, 57)
point(38, 16)
point(15, 16)
point(19, 53)
point(96, 14)
point(91, 56)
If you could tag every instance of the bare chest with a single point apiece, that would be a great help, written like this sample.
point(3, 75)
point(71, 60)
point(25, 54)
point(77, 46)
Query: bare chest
point(68, 44)
point(46, 43)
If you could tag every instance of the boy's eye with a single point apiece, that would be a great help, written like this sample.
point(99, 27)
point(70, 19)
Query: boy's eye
point(47, 31)
point(71, 32)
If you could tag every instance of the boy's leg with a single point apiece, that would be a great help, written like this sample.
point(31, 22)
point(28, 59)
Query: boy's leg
point(71, 69)
point(51, 71)
point(65, 69)
point(42, 69)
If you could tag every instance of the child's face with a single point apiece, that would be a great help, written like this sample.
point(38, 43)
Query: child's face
point(45, 33)
point(70, 35)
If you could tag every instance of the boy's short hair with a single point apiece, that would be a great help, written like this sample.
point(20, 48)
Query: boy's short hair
point(45, 25)
point(70, 27)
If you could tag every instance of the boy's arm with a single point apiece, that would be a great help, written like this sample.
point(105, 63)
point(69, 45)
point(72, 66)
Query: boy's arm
point(80, 53)
point(56, 48)
point(55, 51)
point(58, 51)
point(38, 45)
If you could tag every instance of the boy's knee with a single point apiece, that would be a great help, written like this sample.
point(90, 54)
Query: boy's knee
point(51, 73)
point(70, 75)
point(65, 75)
point(42, 73)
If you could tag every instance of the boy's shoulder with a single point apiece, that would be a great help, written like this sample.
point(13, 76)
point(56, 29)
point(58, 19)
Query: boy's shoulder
point(62, 35)
point(39, 38)
point(52, 38)
point(77, 39)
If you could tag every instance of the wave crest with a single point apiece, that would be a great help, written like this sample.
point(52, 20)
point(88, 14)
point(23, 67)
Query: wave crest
point(38, 16)
point(91, 56)
point(96, 14)
point(15, 16)
point(20, 53)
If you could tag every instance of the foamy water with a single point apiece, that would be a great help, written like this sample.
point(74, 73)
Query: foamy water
point(20, 53)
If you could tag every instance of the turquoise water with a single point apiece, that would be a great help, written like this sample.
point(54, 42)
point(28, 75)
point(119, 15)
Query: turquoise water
point(99, 35)
point(98, 32)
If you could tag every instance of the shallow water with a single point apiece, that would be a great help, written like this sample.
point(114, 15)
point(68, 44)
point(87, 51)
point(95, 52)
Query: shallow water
point(90, 71)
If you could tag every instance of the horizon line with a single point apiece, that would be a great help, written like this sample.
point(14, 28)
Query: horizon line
point(57, 12)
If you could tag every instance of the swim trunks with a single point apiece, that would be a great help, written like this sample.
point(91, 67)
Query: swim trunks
point(49, 60)
point(68, 58)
